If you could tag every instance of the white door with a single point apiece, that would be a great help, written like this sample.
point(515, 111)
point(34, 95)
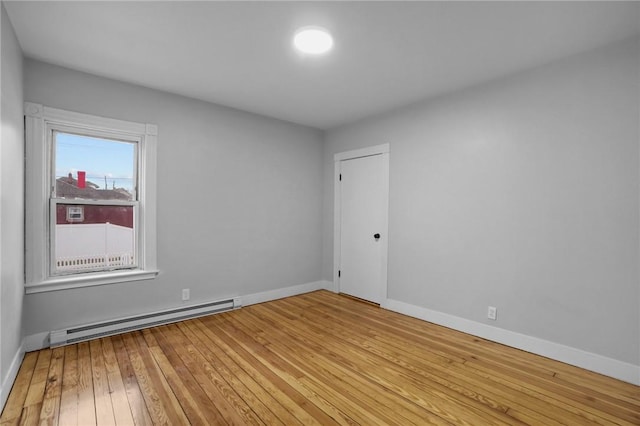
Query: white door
point(362, 227)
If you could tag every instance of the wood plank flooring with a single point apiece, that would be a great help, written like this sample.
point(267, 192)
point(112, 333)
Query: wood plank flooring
point(314, 359)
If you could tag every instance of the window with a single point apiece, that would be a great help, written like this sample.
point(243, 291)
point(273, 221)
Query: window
point(75, 214)
point(91, 236)
point(90, 200)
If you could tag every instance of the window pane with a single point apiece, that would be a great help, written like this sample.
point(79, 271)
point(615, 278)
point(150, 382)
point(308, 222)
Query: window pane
point(94, 238)
point(93, 168)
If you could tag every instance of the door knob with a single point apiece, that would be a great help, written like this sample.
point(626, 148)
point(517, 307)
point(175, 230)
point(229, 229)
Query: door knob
point(376, 236)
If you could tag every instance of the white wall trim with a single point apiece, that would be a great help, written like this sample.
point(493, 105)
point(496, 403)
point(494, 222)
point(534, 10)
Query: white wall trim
point(362, 152)
point(10, 378)
point(87, 280)
point(569, 355)
point(383, 150)
point(266, 296)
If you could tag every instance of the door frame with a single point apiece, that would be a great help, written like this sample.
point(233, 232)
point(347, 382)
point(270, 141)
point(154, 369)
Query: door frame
point(383, 150)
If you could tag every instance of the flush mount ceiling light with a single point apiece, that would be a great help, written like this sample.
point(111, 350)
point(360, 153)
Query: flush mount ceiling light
point(313, 40)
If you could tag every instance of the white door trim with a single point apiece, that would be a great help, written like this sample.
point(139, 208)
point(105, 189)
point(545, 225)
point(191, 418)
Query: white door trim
point(348, 155)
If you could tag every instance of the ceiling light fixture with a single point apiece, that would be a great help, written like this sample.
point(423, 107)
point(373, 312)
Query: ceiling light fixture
point(313, 40)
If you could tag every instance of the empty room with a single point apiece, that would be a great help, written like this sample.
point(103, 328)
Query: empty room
point(317, 213)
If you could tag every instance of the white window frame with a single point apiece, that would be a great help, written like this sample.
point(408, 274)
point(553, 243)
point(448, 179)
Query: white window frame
point(39, 120)
point(73, 219)
point(51, 128)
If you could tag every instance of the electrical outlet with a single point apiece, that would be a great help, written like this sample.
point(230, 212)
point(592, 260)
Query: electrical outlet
point(186, 294)
point(492, 313)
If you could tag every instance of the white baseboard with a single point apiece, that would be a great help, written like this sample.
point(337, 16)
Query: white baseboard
point(590, 361)
point(7, 381)
point(266, 296)
point(569, 355)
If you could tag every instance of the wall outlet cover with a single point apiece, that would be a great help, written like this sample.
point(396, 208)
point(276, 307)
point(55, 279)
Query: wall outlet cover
point(492, 313)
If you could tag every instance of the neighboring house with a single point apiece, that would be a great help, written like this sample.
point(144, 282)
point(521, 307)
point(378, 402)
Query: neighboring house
point(67, 187)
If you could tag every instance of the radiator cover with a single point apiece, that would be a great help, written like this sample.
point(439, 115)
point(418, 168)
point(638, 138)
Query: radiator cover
point(85, 332)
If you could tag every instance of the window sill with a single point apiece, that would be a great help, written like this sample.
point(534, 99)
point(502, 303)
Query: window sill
point(88, 280)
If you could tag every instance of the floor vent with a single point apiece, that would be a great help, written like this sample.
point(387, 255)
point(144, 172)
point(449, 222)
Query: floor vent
point(82, 333)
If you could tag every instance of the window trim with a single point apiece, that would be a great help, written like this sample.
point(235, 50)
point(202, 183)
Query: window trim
point(38, 120)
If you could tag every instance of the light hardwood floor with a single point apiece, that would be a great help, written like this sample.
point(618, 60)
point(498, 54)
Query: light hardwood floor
point(314, 359)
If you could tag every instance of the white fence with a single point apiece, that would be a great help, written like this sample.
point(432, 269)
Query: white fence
point(81, 247)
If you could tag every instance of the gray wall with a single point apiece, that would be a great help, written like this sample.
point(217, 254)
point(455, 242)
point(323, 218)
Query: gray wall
point(239, 200)
point(11, 191)
point(521, 193)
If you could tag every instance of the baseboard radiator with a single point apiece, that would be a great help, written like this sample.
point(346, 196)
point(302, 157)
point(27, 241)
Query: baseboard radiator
point(82, 333)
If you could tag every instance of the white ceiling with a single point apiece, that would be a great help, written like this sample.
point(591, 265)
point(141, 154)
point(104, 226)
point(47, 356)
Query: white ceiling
point(387, 54)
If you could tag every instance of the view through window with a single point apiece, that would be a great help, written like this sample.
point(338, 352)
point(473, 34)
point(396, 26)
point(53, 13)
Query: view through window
point(94, 203)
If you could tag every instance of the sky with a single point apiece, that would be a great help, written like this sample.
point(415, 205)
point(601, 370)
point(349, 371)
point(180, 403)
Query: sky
point(97, 157)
